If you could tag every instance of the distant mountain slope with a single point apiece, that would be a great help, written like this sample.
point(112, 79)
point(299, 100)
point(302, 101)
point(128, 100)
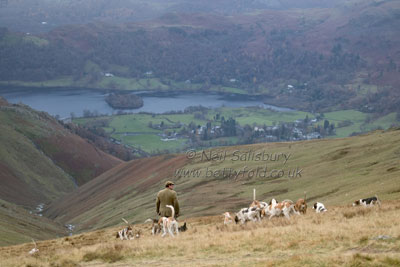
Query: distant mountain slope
point(332, 171)
point(40, 160)
point(334, 58)
point(17, 225)
point(27, 15)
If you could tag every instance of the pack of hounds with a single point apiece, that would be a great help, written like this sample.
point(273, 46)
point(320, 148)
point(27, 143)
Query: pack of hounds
point(259, 210)
point(166, 225)
point(256, 211)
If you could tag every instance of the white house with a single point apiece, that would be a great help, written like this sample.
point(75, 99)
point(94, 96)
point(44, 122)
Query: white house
point(314, 135)
point(256, 129)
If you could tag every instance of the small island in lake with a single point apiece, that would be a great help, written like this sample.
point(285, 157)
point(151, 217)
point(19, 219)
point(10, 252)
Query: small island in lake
point(124, 101)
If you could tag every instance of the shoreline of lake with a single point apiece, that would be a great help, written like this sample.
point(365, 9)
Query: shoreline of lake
point(79, 99)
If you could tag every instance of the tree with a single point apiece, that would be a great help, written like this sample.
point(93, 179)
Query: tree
point(87, 113)
point(306, 119)
point(326, 124)
point(205, 135)
point(320, 116)
point(331, 128)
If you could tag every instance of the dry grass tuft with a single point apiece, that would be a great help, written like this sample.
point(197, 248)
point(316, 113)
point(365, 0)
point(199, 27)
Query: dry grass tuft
point(359, 256)
point(361, 260)
point(65, 263)
point(293, 244)
point(392, 261)
point(363, 240)
point(108, 254)
point(360, 211)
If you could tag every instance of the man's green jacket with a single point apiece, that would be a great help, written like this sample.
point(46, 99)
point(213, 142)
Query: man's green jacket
point(167, 197)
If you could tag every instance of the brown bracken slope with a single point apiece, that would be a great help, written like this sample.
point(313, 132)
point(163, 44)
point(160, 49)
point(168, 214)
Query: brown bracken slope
point(126, 182)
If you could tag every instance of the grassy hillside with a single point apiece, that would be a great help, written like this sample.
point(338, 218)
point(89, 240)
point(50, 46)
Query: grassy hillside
point(17, 225)
point(344, 236)
point(335, 172)
point(40, 160)
point(28, 176)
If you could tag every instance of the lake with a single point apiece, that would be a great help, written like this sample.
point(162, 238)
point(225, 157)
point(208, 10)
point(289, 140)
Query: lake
point(64, 102)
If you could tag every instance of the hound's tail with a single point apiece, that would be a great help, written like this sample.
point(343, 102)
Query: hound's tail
point(148, 220)
point(378, 201)
point(34, 242)
point(173, 210)
point(125, 221)
point(305, 195)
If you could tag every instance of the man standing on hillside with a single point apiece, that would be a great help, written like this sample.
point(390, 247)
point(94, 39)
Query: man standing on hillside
point(165, 197)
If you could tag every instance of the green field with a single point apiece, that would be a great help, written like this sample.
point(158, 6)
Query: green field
point(261, 116)
point(359, 122)
point(95, 81)
point(134, 129)
point(94, 77)
point(152, 143)
point(384, 122)
point(356, 118)
point(36, 40)
point(62, 82)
